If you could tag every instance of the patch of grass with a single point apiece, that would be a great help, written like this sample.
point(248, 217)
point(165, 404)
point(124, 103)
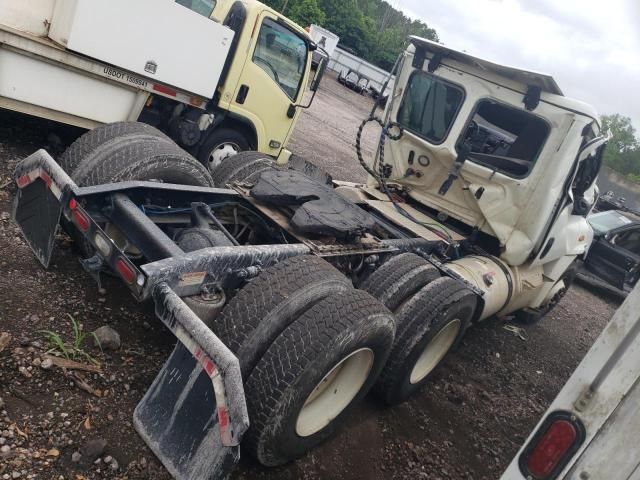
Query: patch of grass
point(73, 348)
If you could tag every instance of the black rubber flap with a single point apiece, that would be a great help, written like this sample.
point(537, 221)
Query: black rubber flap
point(318, 208)
point(194, 414)
point(37, 213)
point(177, 419)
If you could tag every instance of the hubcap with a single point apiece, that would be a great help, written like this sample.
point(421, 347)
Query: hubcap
point(221, 152)
point(334, 392)
point(435, 351)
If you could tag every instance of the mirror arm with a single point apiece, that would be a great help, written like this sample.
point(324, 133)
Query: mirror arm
point(291, 111)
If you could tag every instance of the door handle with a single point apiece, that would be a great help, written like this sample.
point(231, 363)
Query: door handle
point(243, 91)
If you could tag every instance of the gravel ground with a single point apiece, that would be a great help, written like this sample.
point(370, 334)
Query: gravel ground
point(58, 423)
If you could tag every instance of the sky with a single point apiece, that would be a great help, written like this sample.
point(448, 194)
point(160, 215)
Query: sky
point(591, 47)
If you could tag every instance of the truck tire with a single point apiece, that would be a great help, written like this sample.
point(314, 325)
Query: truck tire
point(140, 157)
point(93, 139)
point(313, 375)
point(264, 307)
point(429, 325)
point(133, 157)
point(399, 278)
point(241, 167)
point(222, 144)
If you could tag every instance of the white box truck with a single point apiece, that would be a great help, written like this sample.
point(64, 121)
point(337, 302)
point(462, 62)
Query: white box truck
point(326, 40)
point(216, 77)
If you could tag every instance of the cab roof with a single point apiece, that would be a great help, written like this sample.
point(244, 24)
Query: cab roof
point(542, 80)
point(526, 77)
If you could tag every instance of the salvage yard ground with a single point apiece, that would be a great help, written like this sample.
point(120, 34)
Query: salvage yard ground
point(467, 424)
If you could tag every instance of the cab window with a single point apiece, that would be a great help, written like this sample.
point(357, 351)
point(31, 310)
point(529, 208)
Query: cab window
point(429, 106)
point(506, 139)
point(203, 7)
point(282, 54)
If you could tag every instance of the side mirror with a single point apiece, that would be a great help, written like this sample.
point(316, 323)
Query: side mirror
point(322, 67)
point(315, 84)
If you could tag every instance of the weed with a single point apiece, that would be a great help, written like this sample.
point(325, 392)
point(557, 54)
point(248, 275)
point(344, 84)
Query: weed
point(73, 349)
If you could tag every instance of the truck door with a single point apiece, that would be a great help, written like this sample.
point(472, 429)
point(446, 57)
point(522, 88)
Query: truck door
point(615, 257)
point(272, 79)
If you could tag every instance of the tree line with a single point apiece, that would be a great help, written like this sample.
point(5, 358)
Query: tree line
point(623, 151)
point(372, 29)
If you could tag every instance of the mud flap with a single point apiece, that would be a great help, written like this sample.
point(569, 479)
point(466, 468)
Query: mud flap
point(194, 415)
point(37, 206)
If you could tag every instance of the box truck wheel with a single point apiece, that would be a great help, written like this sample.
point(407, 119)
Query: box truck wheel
point(263, 308)
point(429, 325)
point(221, 144)
point(241, 167)
point(88, 143)
point(314, 373)
point(399, 278)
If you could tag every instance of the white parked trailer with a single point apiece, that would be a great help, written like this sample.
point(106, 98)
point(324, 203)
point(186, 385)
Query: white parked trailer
point(343, 61)
point(325, 39)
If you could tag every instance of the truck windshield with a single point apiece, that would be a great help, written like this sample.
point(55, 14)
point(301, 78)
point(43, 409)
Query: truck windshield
point(282, 54)
point(429, 106)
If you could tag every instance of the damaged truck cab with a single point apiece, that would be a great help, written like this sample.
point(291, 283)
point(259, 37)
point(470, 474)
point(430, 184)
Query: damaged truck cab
point(501, 154)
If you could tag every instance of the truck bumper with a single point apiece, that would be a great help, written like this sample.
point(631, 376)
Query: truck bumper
point(194, 415)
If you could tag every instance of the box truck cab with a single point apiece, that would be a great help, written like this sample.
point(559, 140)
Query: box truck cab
point(267, 71)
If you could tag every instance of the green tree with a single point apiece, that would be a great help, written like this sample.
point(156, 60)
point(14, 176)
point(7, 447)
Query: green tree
point(373, 29)
point(622, 131)
point(305, 12)
point(623, 151)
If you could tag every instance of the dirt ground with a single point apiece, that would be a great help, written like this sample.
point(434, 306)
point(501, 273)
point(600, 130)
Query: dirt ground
point(466, 424)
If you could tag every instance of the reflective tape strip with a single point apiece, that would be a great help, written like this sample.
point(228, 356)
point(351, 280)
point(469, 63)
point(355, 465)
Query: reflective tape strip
point(29, 178)
point(218, 384)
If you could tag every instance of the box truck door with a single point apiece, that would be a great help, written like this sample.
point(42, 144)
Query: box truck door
point(272, 79)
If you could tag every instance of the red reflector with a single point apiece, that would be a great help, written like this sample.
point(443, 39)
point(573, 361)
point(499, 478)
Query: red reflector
point(126, 271)
point(551, 448)
point(165, 90)
point(23, 181)
point(46, 178)
point(73, 204)
point(80, 220)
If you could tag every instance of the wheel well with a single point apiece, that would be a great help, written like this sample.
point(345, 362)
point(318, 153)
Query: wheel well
point(245, 126)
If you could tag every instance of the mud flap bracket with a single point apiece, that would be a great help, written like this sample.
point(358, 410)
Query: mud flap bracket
point(194, 414)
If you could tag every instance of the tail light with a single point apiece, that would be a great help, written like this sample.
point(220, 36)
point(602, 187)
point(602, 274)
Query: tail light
point(126, 271)
point(552, 447)
point(79, 218)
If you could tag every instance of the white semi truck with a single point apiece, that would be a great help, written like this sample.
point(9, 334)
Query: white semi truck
point(218, 77)
point(291, 297)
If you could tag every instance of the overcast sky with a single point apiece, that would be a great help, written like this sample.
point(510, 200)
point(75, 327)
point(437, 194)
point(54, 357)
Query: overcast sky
point(591, 47)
